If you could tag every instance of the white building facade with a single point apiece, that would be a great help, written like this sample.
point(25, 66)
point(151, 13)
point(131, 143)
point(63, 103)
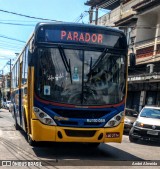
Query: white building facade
point(140, 20)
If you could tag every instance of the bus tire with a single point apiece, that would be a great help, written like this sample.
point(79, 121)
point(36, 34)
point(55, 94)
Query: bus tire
point(25, 122)
point(17, 127)
point(31, 142)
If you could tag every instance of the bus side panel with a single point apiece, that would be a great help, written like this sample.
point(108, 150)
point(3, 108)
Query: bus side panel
point(30, 84)
point(24, 109)
point(41, 132)
point(20, 107)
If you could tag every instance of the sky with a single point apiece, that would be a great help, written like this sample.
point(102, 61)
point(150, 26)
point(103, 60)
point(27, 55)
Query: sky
point(16, 30)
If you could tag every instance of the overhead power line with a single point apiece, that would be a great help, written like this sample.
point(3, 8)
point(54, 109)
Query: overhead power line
point(5, 57)
point(11, 20)
point(11, 43)
point(3, 46)
point(3, 36)
point(27, 16)
point(10, 46)
point(82, 15)
point(16, 24)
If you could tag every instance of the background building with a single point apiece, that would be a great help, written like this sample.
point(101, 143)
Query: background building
point(140, 21)
point(5, 87)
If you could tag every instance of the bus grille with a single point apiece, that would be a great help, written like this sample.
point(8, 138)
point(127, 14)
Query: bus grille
point(69, 123)
point(80, 133)
point(84, 114)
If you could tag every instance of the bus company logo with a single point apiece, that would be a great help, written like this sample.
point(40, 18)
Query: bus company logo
point(61, 118)
point(96, 120)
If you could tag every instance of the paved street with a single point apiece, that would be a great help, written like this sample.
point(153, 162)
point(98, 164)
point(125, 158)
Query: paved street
point(13, 146)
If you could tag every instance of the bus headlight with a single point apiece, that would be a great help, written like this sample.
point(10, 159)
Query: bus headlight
point(44, 117)
point(115, 120)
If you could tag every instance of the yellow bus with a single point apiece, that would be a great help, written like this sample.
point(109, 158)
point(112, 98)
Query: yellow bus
point(69, 84)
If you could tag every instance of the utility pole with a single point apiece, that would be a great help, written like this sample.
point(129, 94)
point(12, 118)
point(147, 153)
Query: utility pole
point(91, 14)
point(1, 76)
point(96, 19)
point(1, 91)
point(10, 77)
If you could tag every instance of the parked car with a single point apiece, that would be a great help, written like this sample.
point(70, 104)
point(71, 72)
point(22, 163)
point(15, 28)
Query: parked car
point(10, 107)
point(8, 104)
point(4, 104)
point(147, 125)
point(1, 103)
point(130, 117)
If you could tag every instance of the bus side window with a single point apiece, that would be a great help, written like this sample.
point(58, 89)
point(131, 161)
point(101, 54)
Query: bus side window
point(25, 91)
point(25, 66)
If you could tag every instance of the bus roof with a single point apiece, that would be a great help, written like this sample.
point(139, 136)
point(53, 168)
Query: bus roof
point(78, 34)
point(75, 25)
point(79, 25)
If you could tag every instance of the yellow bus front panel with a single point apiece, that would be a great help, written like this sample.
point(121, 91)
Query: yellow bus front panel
point(41, 132)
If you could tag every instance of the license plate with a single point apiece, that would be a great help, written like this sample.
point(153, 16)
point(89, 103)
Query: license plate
point(112, 135)
point(152, 132)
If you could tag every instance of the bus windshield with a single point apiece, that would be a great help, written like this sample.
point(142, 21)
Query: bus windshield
point(80, 77)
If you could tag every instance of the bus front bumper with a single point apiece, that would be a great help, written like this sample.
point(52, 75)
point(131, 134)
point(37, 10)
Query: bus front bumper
point(41, 132)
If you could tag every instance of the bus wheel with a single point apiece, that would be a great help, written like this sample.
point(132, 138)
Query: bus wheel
point(25, 122)
point(31, 142)
point(17, 127)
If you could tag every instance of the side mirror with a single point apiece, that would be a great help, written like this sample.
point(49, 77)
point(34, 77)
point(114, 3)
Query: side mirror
point(132, 58)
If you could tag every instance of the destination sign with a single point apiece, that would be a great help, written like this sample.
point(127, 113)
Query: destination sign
point(85, 37)
point(79, 36)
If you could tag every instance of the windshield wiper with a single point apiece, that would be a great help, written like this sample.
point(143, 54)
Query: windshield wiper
point(90, 65)
point(67, 64)
point(100, 58)
point(103, 54)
